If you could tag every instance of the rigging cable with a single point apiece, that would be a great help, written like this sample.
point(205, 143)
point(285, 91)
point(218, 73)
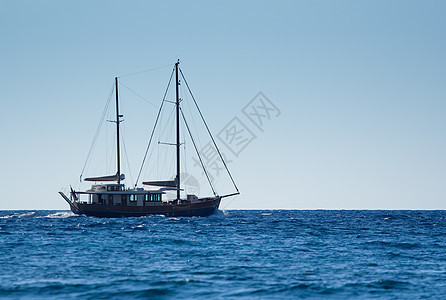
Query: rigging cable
point(151, 136)
point(210, 134)
point(230, 202)
point(111, 163)
point(127, 157)
point(140, 72)
point(137, 94)
point(199, 156)
point(93, 143)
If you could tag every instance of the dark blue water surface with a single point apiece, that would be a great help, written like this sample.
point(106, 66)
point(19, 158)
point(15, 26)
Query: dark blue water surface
point(232, 254)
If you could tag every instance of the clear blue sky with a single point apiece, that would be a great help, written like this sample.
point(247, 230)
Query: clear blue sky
point(360, 86)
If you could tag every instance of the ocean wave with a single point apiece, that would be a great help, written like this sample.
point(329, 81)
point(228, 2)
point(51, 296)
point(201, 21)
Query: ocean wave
point(18, 215)
point(240, 254)
point(60, 215)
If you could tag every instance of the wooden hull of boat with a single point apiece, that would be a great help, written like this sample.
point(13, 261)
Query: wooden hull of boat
point(200, 209)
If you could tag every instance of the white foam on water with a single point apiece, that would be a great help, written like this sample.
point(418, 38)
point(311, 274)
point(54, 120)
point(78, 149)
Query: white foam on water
point(60, 215)
point(18, 215)
point(7, 217)
point(26, 214)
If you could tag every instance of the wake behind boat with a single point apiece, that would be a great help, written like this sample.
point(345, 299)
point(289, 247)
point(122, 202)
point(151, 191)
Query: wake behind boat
point(114, 199)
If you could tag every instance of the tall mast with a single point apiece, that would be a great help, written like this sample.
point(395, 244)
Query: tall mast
point(117, 132)
point(178, 128)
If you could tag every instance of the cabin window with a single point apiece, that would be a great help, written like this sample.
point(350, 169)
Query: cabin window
point(152, 197)
point(114, 188)
point(133, 198)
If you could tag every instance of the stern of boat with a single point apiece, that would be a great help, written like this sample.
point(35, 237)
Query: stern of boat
point(73, 206)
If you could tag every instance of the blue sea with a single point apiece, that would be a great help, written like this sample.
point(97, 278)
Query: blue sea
point(234, 254)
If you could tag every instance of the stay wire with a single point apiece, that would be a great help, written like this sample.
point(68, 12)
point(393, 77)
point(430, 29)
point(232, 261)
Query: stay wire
point(145, 71)
point(153, 131)
point(127, 158)
point(137, 94)
point(232, 200)
point(93, 143)
point(199, 156)
point(210, 134)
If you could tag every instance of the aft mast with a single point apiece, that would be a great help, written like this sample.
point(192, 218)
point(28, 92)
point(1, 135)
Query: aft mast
point(118, 176)
point(117, 133)
point(178, 128)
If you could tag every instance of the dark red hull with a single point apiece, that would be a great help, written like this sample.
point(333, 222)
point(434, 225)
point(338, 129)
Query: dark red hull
point(199, 209)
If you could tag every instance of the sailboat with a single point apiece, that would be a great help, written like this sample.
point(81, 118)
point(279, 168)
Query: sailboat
point(109, 196)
